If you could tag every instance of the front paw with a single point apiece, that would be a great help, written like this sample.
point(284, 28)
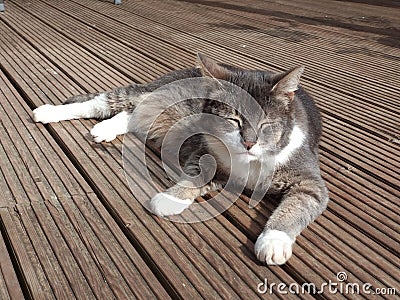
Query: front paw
point(273, 247)
point(164, 204)
point(103, 131)
point(46, 114)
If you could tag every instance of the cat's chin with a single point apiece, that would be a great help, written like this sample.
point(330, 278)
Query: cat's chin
point(245, 157)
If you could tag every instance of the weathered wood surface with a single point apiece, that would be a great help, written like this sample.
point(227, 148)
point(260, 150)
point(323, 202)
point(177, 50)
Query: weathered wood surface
point(74, 228)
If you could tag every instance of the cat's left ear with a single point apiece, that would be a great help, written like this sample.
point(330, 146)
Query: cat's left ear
point(289, 83)
point(210, 68)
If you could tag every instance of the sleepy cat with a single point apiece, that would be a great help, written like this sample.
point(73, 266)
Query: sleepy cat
point(286, 128)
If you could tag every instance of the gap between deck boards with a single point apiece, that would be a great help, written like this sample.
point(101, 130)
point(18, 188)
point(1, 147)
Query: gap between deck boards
point(143, 254)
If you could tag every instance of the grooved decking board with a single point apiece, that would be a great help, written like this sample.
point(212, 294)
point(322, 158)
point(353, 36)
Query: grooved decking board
point(222, 43)
point(363, 259)
point(51, 50)
point(389, 175)
point(376, 162)
point(374, 22)
point(190, 271)
point(65, 242)
point(209, 22)
point(9, 285)
point(393, 172)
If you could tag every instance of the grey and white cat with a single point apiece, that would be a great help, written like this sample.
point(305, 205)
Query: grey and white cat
point(288, 129)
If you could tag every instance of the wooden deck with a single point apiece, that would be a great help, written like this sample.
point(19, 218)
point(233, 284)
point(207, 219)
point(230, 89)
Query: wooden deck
point(72, 228)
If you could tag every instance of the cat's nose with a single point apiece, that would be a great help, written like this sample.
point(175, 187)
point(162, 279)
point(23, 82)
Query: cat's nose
point(248, 145)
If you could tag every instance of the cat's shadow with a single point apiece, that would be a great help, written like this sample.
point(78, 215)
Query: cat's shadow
point(247, 248)
point(254, 223)
point(103, 146)
point(87, 136)
point(30, 120)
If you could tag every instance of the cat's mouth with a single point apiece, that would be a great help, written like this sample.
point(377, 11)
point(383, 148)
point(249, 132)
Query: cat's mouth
point(247, 155)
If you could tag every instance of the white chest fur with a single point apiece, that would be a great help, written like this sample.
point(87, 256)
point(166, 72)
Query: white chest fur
point(296, 140)
point(248, 170)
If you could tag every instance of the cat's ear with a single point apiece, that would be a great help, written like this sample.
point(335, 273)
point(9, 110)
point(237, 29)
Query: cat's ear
point(210, 68)
point(289, 83)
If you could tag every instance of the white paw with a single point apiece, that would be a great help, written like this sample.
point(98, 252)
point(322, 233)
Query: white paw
point(164, 204)
point(103, 131)
point(47, 113)
point(273, 247)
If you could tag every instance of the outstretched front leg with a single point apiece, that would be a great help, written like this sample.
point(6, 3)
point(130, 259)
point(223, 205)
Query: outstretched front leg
point(305, 200)
point(78, 107)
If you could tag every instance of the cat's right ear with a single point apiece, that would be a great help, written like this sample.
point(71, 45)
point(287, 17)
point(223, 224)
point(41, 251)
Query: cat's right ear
point(288, 83)
point(210, 68)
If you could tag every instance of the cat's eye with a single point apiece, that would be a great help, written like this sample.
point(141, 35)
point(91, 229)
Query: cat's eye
point(268, 123)
point(235, 122)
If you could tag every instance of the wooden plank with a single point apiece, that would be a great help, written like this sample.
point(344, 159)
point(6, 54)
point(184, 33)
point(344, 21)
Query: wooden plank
point(122, 57)
point(56, 269)
point(327, 255)
point(287, 26)
point(73, 248)
point(360, 196)
point(317, 258)
point(191, 21)
point(206, 271)
point(361, 14)
point(14, 186)
point(9, 285)
point(44, 38)
point(182, 285)
point(34, 277)
point(147, 42)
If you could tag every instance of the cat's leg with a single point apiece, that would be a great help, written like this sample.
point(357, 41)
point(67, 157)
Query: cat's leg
point(85, 106)
point(195, 182)
point(299, 207)
point(178, 197)
point(108, 130)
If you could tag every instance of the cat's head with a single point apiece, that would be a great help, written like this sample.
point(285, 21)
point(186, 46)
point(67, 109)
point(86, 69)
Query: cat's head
point(259, 129)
